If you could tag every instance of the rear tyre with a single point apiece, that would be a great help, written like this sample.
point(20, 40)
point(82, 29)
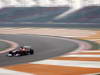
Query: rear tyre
point(31, 51)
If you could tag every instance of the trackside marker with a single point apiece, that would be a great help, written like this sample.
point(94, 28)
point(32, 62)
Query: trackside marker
point(87, 64)
point(11, 72)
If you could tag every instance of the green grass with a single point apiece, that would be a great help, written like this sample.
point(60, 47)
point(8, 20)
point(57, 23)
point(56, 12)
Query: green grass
point(95, 46)
point(4, 45)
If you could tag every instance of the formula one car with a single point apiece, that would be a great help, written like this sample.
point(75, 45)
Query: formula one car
point(22, 51)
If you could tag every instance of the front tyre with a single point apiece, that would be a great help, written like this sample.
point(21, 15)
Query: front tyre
point(9, 55)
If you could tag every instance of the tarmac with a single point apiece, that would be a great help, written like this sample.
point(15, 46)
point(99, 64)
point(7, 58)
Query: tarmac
point(45, 47)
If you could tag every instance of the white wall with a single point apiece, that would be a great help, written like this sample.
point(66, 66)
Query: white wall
point(28, 3)
point(83, 3)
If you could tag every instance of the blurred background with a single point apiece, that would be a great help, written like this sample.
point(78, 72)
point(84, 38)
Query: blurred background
point(50, 13)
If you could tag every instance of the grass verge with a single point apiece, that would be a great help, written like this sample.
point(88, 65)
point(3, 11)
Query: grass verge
point(4, 45)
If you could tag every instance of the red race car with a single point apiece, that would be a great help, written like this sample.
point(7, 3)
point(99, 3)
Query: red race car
point(22, 51)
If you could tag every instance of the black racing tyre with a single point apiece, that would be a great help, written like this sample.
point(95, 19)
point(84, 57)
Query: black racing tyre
point(31, 51)
point(11, 53)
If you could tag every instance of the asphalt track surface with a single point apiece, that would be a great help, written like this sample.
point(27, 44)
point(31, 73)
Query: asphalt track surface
point(44, 46)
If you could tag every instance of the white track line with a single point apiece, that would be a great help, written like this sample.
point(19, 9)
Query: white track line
point(14, 45)
point(82, 46)
point(95, 51)
point(95, 39)
point(81, 55)
point(11, 72)
point(87, 64)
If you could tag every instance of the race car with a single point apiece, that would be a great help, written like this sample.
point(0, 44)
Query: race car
point(22, 51)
